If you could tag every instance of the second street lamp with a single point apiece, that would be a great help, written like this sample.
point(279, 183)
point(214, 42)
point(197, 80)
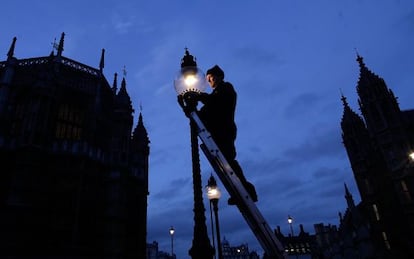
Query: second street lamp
point(293, 242)
point(290, 221)
point(214, 194)
point(172, 230)
point(190, 81)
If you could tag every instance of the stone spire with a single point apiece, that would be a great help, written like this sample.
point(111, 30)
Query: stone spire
point(350, 120)
point(349, 198)
point(140, 136)
point(10, 54)
point(378, 104)
point(115, 83)
point(102, 61)
point(123, 97)
point(60, 46)
point(368, 83)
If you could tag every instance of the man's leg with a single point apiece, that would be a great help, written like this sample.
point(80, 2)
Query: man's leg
point(229, 151)
point(247, 185)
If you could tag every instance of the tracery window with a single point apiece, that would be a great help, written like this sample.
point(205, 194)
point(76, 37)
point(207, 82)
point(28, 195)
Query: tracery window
point(69, 123)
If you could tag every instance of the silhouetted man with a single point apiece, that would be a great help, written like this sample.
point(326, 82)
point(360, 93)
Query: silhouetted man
point(217, 115)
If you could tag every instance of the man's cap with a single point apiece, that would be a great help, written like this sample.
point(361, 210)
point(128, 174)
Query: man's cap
point(217, 71)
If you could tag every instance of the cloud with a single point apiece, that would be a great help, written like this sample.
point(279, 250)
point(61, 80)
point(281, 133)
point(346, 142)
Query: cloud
point(174, 189)
point(258, 57)
point(302, 105)
point(122, 24)
point(320, 143)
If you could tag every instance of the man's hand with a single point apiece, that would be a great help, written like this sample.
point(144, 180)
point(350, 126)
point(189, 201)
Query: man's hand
point(202, 97)
point(180, 100)
point(186, 109)
point(189, 100)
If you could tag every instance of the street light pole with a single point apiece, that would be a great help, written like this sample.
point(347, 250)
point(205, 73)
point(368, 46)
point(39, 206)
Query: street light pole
point(214, 194)
point(290, 221)
point(191, 80)
point(172, 230)
point(212, 227)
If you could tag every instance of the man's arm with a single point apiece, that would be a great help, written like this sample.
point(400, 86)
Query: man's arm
point(203, 97)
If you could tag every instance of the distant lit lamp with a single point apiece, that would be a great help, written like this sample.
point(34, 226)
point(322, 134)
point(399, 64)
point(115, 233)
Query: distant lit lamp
point(406, 166)
point(189, 81)
point(172, 230)
point(290, 221)
point(411, 155)
point(214, 194)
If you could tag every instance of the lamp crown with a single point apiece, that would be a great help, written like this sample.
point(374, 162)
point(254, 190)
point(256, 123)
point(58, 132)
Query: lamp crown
point(190, 78)
point(188, 60)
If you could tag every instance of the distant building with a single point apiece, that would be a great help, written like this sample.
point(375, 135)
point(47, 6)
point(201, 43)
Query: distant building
point(74, 172)
point(301, 246)
point(237, 252)
point(152, 250)
point(327, 239)
point(352, 239)
point(154, 253)
point(378, 144)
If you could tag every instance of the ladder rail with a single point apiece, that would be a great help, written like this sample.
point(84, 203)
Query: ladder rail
point(233, 185)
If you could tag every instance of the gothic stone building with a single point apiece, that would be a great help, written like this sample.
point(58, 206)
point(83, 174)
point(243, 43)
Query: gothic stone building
point(378, 144)
point(351, 240)
point(73, 172)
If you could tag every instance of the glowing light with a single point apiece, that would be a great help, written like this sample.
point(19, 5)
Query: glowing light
point(411, 155)
point(213, 193)
point(190, 80)
point(172, 230)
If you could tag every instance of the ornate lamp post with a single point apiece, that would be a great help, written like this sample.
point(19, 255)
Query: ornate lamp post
point(172, 230)
point(214, 194)
point(189, 81)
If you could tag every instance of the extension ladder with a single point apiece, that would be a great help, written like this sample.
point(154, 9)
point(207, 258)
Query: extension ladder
point(264, 234)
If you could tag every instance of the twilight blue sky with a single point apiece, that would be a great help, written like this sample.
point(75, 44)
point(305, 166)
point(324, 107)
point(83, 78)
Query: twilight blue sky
point(289, 62)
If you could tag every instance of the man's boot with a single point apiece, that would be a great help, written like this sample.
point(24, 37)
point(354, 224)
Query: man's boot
point(251, 190)
point(247, 185)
